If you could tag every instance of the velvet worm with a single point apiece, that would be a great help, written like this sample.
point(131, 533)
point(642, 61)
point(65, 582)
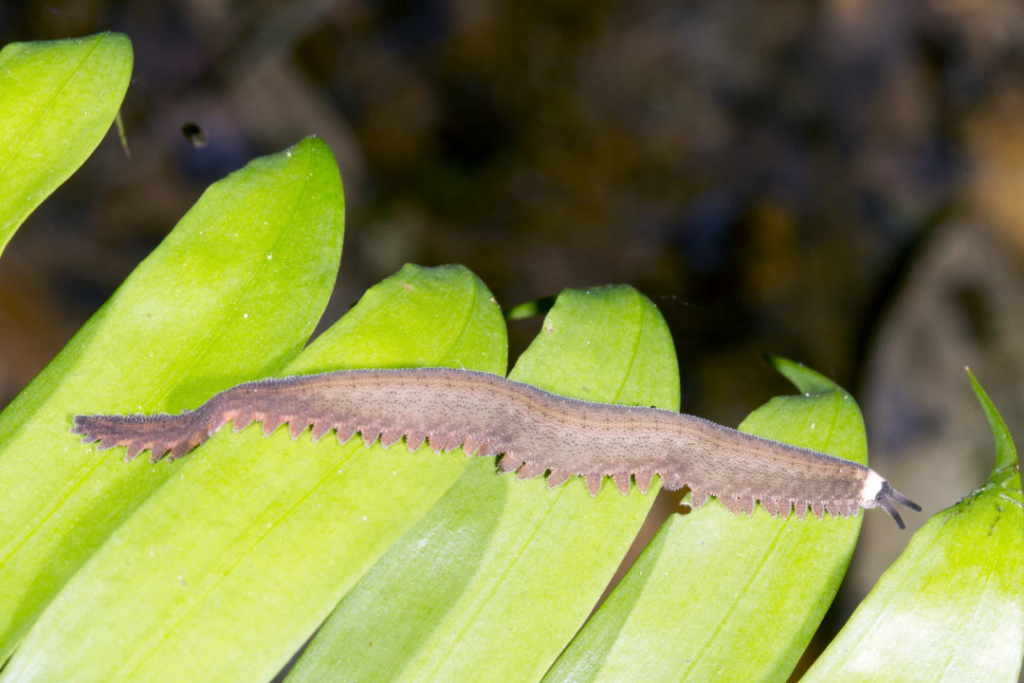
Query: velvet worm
point(536, 433)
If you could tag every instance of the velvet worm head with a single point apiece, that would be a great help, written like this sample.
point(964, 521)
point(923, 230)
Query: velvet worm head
point(537, 433)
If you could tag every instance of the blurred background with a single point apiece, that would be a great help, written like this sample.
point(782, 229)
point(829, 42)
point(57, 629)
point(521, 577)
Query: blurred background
point(838, 182)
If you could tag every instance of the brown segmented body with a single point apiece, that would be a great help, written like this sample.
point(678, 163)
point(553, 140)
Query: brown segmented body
point(538, 432)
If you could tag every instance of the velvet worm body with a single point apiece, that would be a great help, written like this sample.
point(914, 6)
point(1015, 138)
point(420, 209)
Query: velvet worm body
point(537, 432)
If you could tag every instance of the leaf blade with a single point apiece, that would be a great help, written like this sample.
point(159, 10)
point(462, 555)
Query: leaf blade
point(951, 608)
point(740, 596)
point(58, 101)
point(255, 539)
point(487, 586)
point(213, 286)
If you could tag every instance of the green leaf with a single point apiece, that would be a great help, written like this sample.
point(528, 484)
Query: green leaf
point(1006, 473)
point(232, 294)
point(717, 596)
point(57, 101)
point(226, 570)
point(951, 608)
point(494, 581)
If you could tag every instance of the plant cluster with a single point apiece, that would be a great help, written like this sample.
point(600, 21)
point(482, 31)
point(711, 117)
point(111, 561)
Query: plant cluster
point(413, 567)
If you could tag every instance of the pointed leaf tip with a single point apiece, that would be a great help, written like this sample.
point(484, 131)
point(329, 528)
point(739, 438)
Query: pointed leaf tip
point(801, 376)
point(1006, 451)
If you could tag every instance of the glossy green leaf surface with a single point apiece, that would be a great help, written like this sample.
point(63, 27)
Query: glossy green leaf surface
point(57, 101)
point(717, 596)
point(952, 606)
point(229, 567)
point(232, 294)
point(496, 579)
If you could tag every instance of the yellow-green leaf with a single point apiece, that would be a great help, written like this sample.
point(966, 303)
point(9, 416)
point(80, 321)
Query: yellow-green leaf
point(231, 565)
point(230, 295)
point(496, 579)
point(57, 101)
point(952, 606)
point(722, 597)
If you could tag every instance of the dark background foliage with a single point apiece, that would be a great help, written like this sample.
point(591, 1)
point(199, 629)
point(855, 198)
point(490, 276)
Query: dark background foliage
point(837, 182)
